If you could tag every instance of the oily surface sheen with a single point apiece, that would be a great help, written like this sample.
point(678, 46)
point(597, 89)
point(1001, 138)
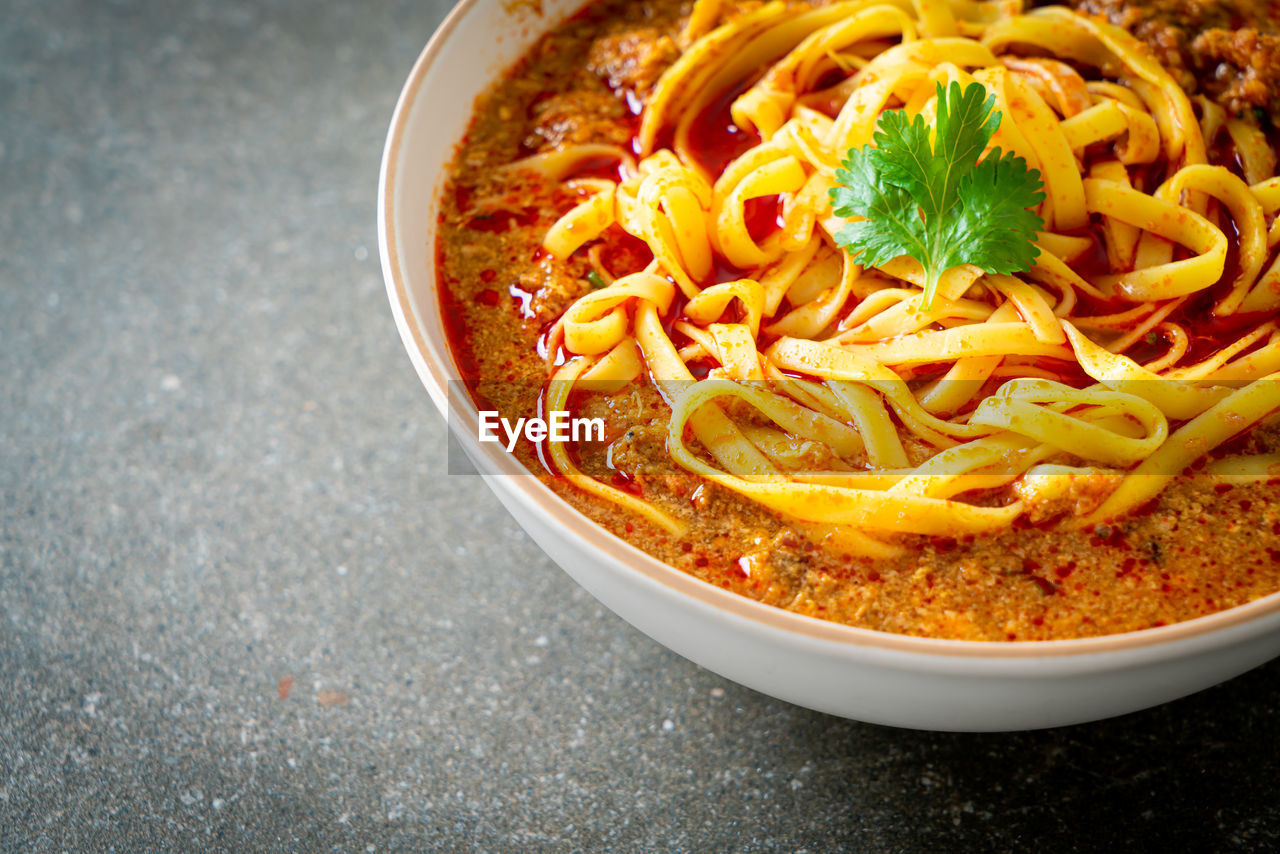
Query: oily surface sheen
point(1200, 547)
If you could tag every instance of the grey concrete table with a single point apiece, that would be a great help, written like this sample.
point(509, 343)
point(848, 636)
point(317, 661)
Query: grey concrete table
point(242, 605)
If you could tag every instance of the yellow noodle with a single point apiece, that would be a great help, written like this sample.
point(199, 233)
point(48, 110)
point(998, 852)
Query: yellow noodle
point(835, 397)
point(1229, 416)
point(558, 400)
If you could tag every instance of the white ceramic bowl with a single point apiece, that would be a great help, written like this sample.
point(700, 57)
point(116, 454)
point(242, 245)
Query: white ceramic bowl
point(856, 673)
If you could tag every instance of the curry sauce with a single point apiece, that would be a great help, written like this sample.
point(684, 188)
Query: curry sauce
point(1203, 545)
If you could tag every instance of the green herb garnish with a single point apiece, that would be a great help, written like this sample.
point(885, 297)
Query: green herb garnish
point(936, 201)
point(594, 278)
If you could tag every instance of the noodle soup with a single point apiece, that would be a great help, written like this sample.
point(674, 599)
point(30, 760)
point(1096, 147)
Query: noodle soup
point(640, 232)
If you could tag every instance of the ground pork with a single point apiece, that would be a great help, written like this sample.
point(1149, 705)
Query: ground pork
point(1228, 49)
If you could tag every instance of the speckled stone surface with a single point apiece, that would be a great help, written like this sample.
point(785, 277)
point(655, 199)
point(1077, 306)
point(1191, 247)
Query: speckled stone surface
point(244, 607)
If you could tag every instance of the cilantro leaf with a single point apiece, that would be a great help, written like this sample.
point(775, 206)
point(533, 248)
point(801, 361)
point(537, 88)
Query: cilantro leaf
point(934, 199)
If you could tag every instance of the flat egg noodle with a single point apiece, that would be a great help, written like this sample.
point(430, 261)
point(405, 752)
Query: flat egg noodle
point(832, 396)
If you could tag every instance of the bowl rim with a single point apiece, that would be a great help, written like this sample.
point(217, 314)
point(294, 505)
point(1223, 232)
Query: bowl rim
point(439, 373)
